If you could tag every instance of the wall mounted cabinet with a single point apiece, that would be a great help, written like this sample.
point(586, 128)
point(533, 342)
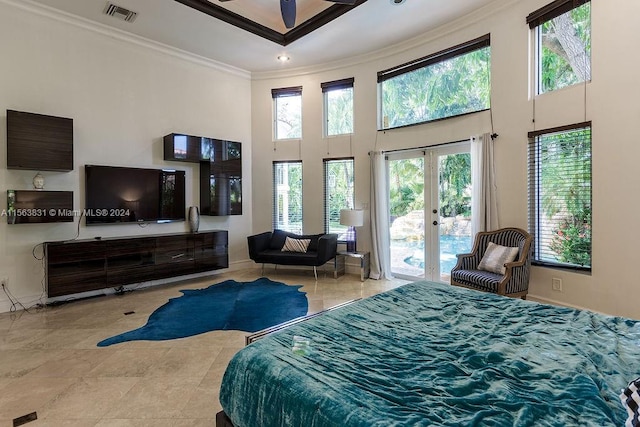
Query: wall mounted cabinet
point(39, 142)
point(220, 170)
point(186, 148)
point(221, 180)
point(87, 265)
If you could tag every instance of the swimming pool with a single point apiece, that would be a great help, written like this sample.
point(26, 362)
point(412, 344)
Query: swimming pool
point(450, 245)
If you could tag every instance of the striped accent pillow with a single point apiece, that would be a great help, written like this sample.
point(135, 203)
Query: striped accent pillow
point(295, 245)
point(495, 257)
point(631, 401)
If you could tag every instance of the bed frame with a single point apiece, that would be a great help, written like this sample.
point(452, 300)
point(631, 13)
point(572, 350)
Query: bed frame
point(222, 420)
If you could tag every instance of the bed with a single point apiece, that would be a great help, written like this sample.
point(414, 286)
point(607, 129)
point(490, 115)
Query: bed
point(430, 354)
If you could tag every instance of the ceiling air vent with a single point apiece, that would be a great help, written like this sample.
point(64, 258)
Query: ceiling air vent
point(120, 12)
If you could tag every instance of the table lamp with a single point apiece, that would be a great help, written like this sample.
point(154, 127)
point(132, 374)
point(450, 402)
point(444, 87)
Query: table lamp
point(352, 218)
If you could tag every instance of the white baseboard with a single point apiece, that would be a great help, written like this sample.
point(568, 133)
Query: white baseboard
point(536, 298)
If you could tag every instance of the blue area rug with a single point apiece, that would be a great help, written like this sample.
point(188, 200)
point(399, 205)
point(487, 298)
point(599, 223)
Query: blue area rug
point(244, 306)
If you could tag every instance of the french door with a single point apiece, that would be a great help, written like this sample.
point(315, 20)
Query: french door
point(429, 210)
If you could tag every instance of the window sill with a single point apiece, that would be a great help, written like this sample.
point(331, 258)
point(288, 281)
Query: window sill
point(563, 267)
point(287, 140)
point(575, 86)
point(341, 135)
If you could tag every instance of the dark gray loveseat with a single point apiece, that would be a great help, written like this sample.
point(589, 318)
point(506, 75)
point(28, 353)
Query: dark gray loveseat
point(266, 248)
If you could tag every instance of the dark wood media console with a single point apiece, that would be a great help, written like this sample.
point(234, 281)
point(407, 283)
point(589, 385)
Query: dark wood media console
point(87, 265)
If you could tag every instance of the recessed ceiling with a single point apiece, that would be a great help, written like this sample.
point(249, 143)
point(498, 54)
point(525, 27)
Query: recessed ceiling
point(304, 16)
point(267, 12)
point(374, 25)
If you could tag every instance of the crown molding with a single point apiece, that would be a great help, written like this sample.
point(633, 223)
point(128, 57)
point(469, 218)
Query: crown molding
point(421, 40)
point(105, 30)
point(283, 39)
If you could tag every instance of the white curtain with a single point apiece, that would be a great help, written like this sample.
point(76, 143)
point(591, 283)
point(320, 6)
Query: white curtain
point(484, 202)
point(380, 253)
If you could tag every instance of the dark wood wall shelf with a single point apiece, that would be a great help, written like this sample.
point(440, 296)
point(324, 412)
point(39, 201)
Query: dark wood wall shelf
point(87, 265)
point(220, 170)
point(39, 206)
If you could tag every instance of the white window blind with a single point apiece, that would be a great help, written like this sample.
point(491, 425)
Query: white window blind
point(287, 196)
point(560, 195)
point(338, 193)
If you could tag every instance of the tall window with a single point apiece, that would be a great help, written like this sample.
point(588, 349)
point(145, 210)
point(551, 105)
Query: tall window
point(338, 107)
point(563, 43)
point(287, 196)
point(560, 195)
point(449, 83)
point(338, 193)
point(287, 112)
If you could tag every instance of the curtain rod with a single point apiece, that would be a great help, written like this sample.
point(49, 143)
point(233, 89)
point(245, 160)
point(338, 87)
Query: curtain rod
point(426, 147)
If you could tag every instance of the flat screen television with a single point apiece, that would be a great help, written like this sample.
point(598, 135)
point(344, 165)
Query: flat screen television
point(116, 195)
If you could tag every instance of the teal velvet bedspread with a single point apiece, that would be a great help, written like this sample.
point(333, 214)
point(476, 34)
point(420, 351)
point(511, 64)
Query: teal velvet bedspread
point(428, 354)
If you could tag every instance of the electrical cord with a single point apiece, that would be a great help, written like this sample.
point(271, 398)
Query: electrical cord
point(15, 303)
point(78, 229)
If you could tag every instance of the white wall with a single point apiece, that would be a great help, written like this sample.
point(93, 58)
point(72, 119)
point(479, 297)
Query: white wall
point(124, 95)
point(611, 105)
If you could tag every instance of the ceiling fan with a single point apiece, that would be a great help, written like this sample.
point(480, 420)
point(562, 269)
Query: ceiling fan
point(288, 10)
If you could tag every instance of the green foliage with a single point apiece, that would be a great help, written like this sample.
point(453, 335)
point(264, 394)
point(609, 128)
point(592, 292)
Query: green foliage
point(295, 193)
point(340, 192)
point(340, 111)
point(565, 173)
point(406, 186)
point(556, 72)
point(572, 240)
point(288, 196)
point(455, 185)
point(557, 68)
point(455, 86)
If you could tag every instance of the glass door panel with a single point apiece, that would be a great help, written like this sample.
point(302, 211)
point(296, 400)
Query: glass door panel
point(454, 208)
point(429, 211)
point(406, 215)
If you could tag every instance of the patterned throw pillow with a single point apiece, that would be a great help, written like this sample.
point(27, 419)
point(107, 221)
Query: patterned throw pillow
point(631, 400)
point(295, 245)
point(496, 256)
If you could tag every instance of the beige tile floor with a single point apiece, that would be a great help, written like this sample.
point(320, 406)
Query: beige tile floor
point(49, 362)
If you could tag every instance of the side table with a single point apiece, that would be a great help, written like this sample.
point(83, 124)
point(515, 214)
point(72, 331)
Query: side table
point(339, 263)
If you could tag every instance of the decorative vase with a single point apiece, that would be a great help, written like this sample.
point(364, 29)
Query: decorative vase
point(194, 218)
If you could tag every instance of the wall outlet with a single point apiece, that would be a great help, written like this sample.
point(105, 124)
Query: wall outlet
point(4, 282)
point(556, 284)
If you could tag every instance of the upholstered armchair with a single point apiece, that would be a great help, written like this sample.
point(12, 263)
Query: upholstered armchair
point(472, 270)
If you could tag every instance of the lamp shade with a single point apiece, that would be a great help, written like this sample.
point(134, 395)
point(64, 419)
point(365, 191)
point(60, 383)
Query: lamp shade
point(352, 217)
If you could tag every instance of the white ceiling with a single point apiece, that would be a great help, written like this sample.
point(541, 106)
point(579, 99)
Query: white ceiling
point(369, 27)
